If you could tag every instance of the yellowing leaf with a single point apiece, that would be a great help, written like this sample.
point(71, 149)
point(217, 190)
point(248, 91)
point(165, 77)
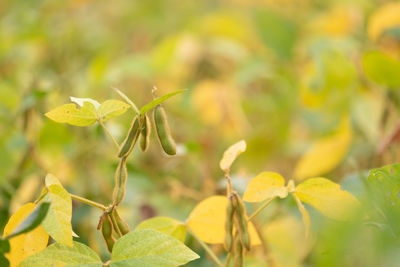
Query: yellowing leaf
point(265, 185)
point(325, 154)
point(58, 220)
point(25, 244)
point(231, 154)
point(112, 108)
point(81, 101)
point(327, 197)
point(70, 114)
point(207, 221)
point(165, 225)
point(384, 18)
point(286, 240)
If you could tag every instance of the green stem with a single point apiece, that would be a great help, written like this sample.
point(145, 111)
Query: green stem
point(228, 259)
point(266, 203)
point(207, 249)
point(89, 202)
point(109, 134)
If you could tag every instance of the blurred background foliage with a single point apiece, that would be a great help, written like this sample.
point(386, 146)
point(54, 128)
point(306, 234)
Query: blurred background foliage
point(281, 74)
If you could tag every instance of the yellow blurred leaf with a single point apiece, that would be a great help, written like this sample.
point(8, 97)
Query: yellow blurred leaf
point(207, 221)
point(386, 17)
point(327, 197)
point(286, 239)
point(27, 244)
point(231, 154)
point(265, 185)
point(325, 154)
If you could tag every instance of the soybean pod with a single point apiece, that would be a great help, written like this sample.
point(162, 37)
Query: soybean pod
point(237, 252)
point(130, 139)
point(121, 175)
point(122, 225)
point(107, 232)
point(230, 211)
point(163, 131)
point(144, 139)
point(242, 222)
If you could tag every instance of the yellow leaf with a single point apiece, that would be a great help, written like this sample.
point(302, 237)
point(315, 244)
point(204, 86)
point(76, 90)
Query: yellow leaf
point(386, 17)
point(327, 197)
point(27, 244)
point(325, 154)
point(265, 185)
point(70, 114)
point(231, 154)
point(286, 240)
point(207, 221)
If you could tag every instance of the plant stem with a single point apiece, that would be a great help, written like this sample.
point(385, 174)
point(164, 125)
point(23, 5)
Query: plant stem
point(127, 99)
point(109, 134)
point(207, 249)
point(228, 259)
point(266, 203)
point(89, 202)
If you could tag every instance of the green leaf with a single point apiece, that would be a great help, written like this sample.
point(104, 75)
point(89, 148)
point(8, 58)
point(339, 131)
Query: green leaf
point(327, 197)
point(382, 69)
point(158, 101)
point(149, 248)
point(58, 220)
point(165, 225)
point(70, 114)
point(127, 99)
point(384, 186)
point(111, 108)
point(57, 255)
point(32, 220)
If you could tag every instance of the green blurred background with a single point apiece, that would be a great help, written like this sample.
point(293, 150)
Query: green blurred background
point(280, 74)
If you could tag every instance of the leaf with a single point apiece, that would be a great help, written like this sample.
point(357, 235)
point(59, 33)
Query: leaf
point(165, 225)
point(325, 154)
point(81, 101)
point(382, 69)
point(304, 214)
point(327, 197)
point(111, 108)
point(150, 248)
point(158, 101)
point(23, 245)
point(32, 220)
point(57, 255)
point(70, 114)
point(387, 16)
point(231, 154)
point(127, 99)
point(58, 220)
point(384, 185)
point(207, 221)
point(264, 186)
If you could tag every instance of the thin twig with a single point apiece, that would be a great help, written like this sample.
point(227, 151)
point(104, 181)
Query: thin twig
point(89, 202)
point(207, 249)
point(109, 134)
point(266, 203)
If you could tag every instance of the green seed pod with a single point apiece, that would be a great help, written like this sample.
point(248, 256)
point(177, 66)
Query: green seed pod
point(238, 252)
point(144, 139)
point(121, 175)
point(130, 139)
point(122, 225)
point(107, 232)
point(242, 221)
point(163, 131)
point(230, 211)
